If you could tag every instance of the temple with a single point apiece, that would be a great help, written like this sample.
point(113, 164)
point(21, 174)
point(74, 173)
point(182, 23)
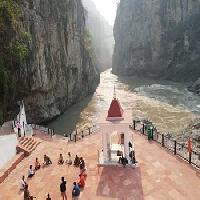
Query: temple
point(117, 138)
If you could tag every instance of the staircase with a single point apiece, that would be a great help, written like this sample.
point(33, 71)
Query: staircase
point(27, 145)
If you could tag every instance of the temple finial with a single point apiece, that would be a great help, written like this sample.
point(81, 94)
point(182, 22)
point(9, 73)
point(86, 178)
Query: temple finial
point(114, 95)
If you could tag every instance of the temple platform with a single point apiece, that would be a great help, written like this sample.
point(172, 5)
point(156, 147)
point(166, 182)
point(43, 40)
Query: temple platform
point(158, 176)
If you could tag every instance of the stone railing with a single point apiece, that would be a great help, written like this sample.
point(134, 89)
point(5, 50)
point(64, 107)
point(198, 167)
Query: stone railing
point(79, 134)
point(43, 129)
point(168, 143)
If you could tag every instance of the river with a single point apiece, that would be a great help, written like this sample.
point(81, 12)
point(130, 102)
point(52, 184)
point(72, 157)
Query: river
point(168, 104)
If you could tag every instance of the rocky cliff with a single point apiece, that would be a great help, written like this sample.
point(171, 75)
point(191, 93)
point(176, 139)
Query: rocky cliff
point(102, 35)
point(158, 38)
point(195, 87)
point(53, 67)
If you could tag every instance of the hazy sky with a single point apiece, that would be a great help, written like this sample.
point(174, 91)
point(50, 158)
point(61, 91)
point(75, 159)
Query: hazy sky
point(107, 8)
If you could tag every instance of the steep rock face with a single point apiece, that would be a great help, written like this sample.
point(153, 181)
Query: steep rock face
point(195, 87)
point(102, 35)
point(158, 38)
point(59, 70)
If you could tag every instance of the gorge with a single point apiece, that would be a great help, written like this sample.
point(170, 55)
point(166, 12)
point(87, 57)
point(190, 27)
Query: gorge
point(102, 35)
point(158, 39)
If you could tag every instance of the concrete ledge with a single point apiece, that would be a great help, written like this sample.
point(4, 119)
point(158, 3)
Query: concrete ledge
point(10, 166)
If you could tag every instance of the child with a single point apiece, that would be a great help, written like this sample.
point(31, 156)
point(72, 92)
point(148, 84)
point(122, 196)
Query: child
point(37, 164)
point(31, 173)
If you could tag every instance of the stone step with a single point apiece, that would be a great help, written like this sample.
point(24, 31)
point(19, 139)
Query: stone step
point(34, 147)
point(26, 142)
point(22, 140)
point(31, 145)
point(28, 145)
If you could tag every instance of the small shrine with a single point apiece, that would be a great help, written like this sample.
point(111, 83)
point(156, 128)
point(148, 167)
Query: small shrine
point(116, 135)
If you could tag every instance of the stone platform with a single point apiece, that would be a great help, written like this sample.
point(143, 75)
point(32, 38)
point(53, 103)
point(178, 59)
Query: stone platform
point(158, 175)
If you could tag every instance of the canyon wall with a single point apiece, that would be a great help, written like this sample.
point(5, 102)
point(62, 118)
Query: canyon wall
point(55, 68)
point(158, 38)
point(101, 35)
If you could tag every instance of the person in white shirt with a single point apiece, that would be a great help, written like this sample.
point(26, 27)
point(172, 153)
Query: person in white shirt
point(69, 160)
point(22, 183)
point(31, 172)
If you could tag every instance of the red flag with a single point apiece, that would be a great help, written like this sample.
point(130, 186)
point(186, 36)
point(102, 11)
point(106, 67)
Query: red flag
point(190, 145)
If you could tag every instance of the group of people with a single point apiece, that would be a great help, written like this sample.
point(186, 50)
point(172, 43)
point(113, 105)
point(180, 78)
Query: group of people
point(31, 173)
point(68, 161)
point(80, 184)
point(77, 186)
point(123, 160)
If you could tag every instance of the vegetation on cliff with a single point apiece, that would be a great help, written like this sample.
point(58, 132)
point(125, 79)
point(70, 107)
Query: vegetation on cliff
point(45, 57)
point(13, 51)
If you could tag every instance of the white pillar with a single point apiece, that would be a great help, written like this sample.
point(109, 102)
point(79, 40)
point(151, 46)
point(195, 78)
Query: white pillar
point(126, 146)
point(105, 146)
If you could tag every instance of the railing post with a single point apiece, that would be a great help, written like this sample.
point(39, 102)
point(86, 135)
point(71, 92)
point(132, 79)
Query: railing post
point(133, 124)
point(175, 147)
point(82, 133)
point(190, 157)
point(143, 129)
point(70, 137)
point(163, 140)
point(75, 136)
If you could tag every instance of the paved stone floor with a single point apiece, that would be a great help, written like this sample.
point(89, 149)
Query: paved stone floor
point(158, 176)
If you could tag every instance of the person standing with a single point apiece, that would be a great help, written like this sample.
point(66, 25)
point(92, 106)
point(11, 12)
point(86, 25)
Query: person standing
point(63, 188)
point(48, 197)
point(18, 126)
point(23, 183)
point(27, 195)
point(75, 191)
point(82, 165)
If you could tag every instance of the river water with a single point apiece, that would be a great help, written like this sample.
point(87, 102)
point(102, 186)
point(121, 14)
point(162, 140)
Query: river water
point(169, 105)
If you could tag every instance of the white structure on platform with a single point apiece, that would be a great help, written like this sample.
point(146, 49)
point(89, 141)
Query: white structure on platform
point(25, 128)
point(116, 135)
point(8, 145)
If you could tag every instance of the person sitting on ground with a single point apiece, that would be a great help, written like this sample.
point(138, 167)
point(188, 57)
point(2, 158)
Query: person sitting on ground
point(121, 158)
point(31, 171)
point(27, 195)
point(76, 161)
point(69, 160)
point(37, 164)
point(81, 182)
point(84, 173)
point(48, 197)
point(124, 161)
point(82, 164)
point(60, 160)
point(22, 183)
point(75, 191)
point(47, 160)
